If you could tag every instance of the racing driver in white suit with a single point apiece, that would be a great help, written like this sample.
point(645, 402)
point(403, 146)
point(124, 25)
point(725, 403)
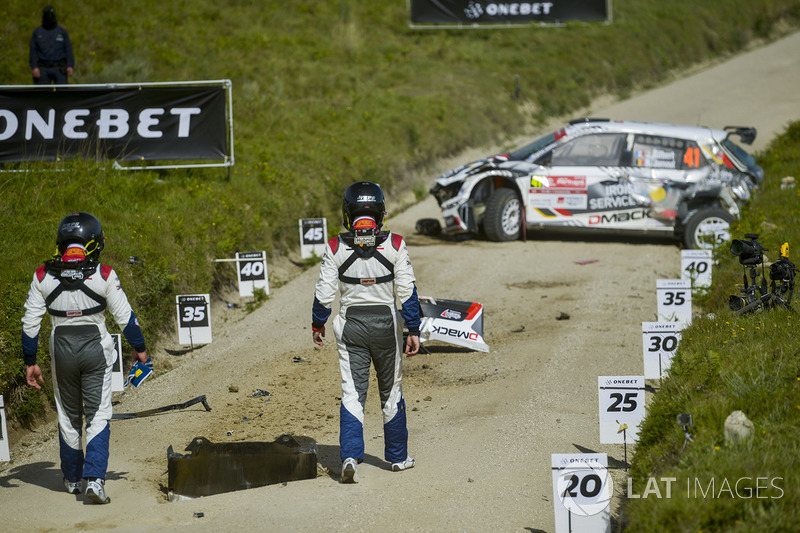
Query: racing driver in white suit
point(75, 289)
point(371, 269)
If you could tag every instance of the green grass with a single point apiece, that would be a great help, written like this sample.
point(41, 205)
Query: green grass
point(324, 93)
point(725, 363)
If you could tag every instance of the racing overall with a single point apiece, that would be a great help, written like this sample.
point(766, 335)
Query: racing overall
point(367, 329)
point(81, 349)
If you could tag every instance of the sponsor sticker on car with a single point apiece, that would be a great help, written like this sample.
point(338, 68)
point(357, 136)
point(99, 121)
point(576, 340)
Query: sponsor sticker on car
point(551, 192)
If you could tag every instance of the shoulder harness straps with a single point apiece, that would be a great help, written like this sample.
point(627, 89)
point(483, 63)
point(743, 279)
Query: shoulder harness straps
point(365, 253)
point(72, 277)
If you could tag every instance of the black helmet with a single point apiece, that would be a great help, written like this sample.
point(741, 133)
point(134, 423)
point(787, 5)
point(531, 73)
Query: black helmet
point(49, 21)
point(81, 228)
point(363, 198)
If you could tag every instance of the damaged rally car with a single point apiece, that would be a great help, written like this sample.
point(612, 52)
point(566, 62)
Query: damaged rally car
point(619, 177)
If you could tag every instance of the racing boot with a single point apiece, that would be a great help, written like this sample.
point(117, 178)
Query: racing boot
point(349, 470)
point(73, 487)
point(95, 491)
point(403, 465)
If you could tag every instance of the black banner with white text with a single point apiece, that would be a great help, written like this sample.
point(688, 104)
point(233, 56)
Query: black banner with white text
point(123, 123)
point(478, 13)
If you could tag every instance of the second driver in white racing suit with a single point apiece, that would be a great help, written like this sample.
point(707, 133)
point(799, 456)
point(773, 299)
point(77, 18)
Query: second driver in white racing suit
point(371, 270)
point(75, 289)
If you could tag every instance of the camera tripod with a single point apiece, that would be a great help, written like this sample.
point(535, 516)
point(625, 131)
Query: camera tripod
point(781, 288)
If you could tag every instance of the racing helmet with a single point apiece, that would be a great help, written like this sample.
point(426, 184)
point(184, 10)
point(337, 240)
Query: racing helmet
point(363, 198)
point(81, 228)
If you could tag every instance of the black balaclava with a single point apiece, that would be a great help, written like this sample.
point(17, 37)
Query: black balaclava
point(49, 18)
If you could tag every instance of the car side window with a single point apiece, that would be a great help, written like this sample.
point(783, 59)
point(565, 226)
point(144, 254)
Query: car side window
point(655, 151)
point(598, 149)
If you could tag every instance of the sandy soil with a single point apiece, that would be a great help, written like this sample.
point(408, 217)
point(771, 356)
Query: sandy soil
point(482, 425)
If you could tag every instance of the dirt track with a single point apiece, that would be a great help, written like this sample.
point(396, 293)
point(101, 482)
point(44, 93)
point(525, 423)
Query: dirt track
point(482, 426)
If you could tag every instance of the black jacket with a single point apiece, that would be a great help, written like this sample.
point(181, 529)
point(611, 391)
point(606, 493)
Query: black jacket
point(51, 47)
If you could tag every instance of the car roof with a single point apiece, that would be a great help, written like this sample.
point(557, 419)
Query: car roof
point(588, 125)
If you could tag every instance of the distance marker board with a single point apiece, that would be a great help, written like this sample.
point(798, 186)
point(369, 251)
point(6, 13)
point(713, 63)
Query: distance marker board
point(252, 272)
point(659, 342)
point(674, 301)
point(582, 489)
point(621, 403)
point(312, 237)
point(194, 318)
point(715, 233)
point(696, 267)
point(5, 455)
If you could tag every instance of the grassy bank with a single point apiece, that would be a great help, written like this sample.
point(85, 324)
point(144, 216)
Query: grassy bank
point(324, 93)
point(725, 363)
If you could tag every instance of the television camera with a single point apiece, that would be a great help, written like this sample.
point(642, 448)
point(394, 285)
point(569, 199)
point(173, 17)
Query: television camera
point(756, 294)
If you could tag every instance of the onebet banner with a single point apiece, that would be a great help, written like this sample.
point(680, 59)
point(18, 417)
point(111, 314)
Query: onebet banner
point(470, 13)
point(122, 122)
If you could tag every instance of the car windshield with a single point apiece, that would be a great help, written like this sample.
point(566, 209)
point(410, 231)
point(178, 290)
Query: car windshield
point(528, 150)
point(739, 153)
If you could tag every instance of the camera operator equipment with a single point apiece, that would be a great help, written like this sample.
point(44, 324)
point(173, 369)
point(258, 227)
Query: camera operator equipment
point(750, 254)
point(781, 273)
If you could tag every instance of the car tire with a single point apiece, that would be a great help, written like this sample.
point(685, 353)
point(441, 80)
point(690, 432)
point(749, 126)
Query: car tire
point(502, 220)
point(702, 221)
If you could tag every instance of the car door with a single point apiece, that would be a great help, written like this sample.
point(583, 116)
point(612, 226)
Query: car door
point(588, 182)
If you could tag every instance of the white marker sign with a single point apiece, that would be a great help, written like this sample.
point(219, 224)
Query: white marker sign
point(696, 267)
point(312, 237)
point(252, 270)
point(714, 233)
point(674, 301)
point(659, 342)
point(621, 401)
point(194, 318)
point(582, 489)
point(117, 377)
point(5, 455)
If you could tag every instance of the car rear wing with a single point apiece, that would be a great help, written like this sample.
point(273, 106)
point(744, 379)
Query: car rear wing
point(746, 133)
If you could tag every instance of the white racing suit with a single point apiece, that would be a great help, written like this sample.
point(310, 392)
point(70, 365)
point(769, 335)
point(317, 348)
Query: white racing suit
point(368, 329)
point(81, 350)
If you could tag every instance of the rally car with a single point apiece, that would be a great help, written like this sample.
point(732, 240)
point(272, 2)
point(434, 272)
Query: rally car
point(622, 177)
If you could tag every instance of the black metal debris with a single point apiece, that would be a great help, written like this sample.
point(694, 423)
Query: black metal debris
point(214, 468)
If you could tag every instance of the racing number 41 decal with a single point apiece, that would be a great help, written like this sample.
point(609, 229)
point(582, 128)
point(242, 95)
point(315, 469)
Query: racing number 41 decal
point(691, 158)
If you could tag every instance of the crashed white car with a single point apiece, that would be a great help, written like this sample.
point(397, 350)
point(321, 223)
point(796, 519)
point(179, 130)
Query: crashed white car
point(598, 175)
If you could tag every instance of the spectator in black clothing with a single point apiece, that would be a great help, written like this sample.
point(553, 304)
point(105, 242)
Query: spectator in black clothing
point(51, 57)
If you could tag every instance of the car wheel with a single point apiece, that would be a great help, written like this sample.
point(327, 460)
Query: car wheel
point(708, 228)
point(502, 220)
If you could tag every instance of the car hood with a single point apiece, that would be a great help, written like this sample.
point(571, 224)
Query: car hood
point(495, 162)
point(461, 173)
